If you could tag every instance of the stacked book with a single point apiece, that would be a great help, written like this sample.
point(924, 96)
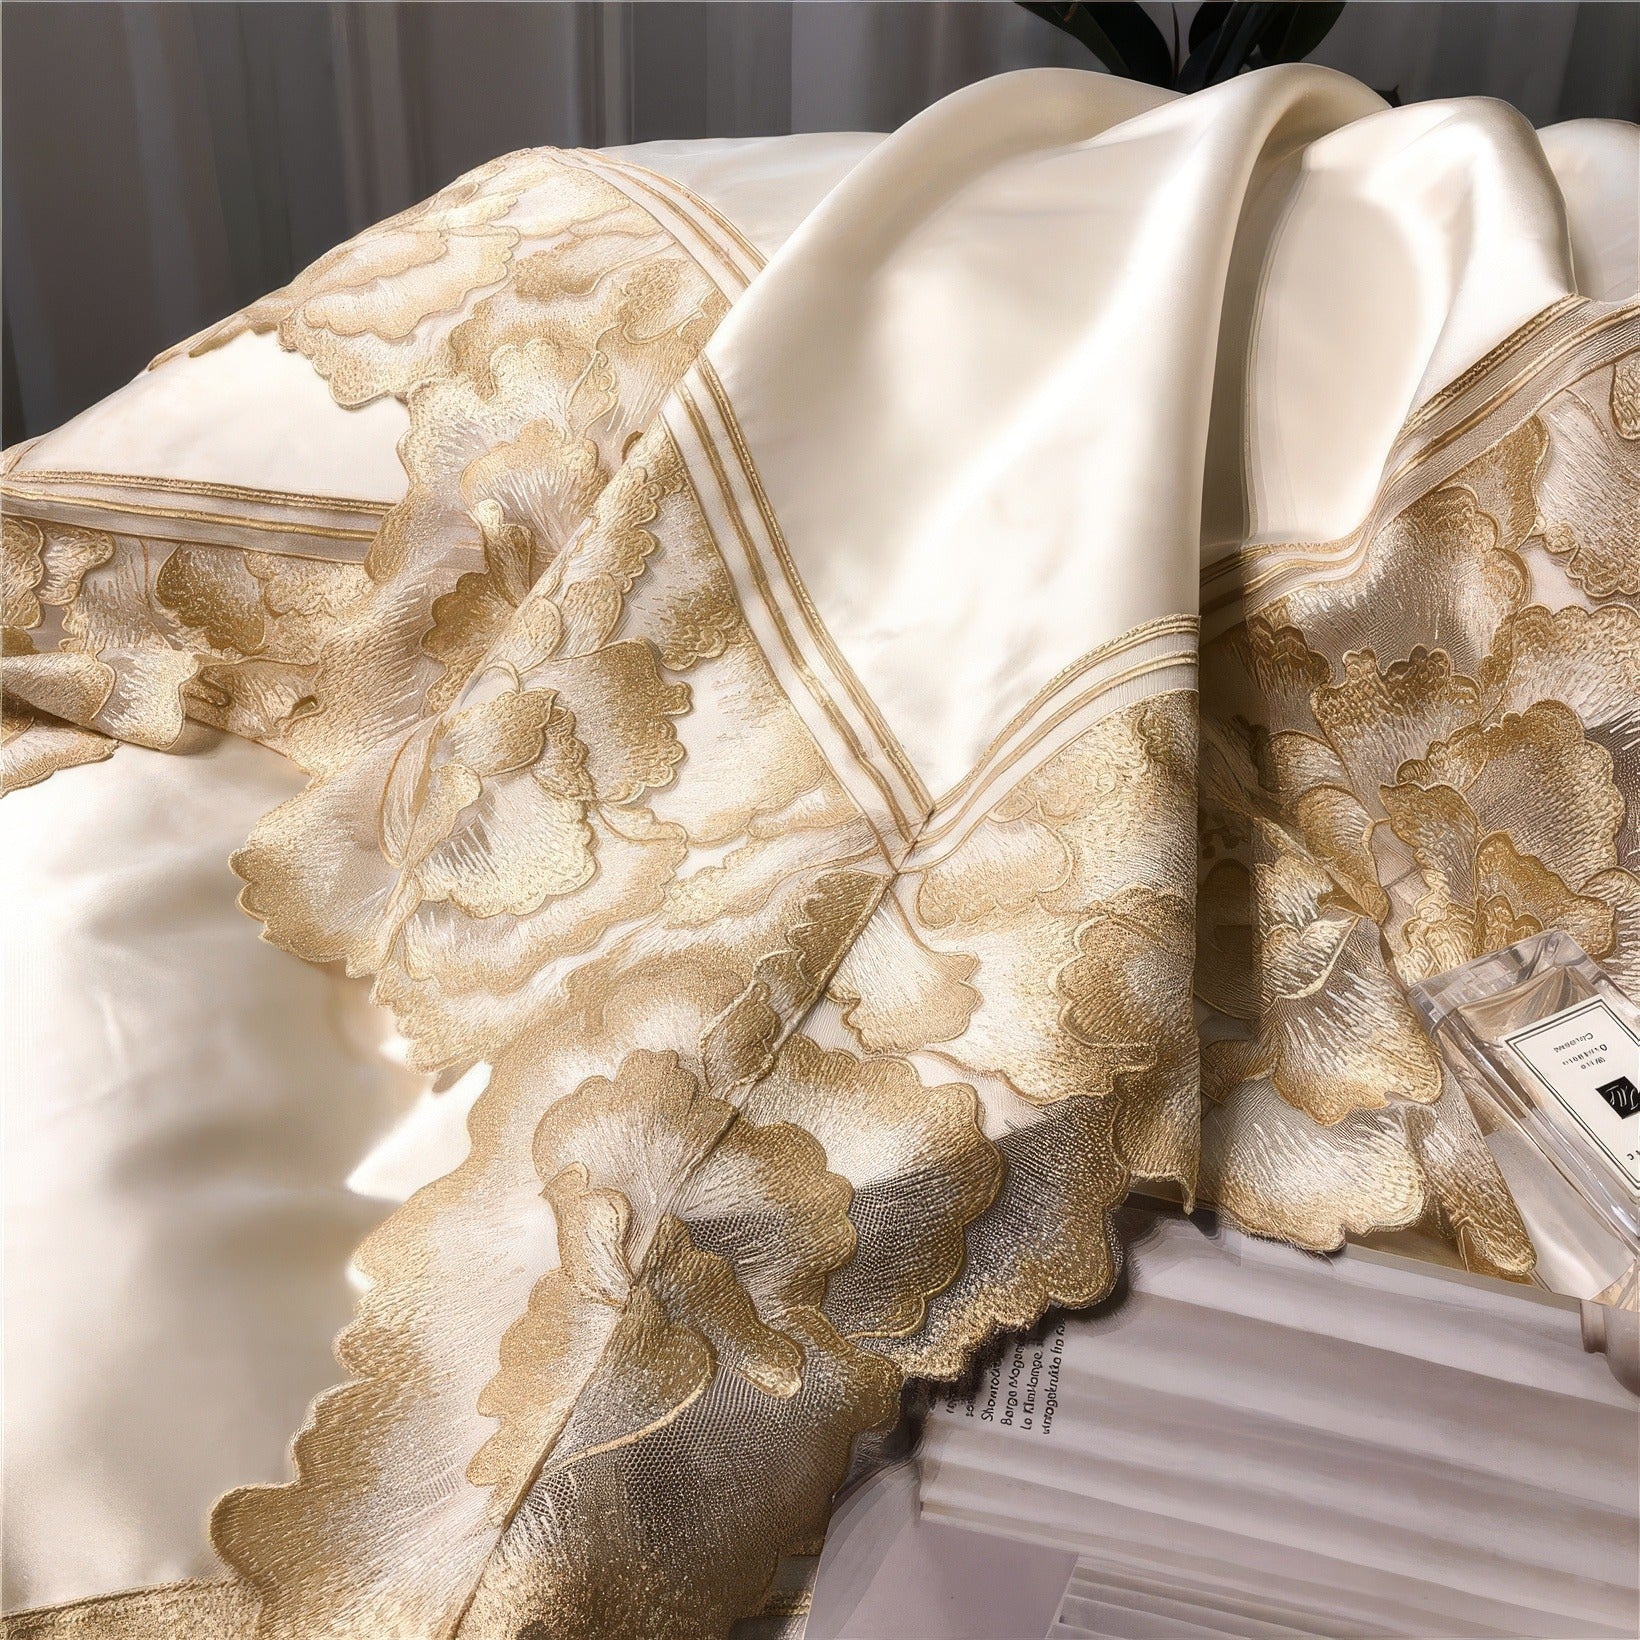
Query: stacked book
point(1248, 1440)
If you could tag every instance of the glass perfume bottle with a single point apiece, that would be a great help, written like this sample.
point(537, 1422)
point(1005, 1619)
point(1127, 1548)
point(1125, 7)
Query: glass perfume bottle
point(1547, 1049)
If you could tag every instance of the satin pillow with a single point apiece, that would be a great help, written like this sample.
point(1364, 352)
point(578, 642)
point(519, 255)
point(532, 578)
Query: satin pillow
point(250, 432)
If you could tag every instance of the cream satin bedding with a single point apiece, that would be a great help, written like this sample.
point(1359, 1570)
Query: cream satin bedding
point(184, 1107)
point(754, 709)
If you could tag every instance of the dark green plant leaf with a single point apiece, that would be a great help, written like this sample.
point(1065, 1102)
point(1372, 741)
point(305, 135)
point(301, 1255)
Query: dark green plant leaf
point(1228, 50)
point(1226, 37)
point(1118, 33)
point(1296, 30)
point(1209, 19)
point(1145, 47)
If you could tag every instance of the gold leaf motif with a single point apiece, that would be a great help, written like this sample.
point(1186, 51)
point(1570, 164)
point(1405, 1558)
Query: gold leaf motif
point(1275, 1169)
point(1379, 719)
point(921, 1169)
point(1336, 1033)
point(1625, 396)
point(219, 1610)
point(1588, 496)
point(24, 568)
point(1284, 670)
point(1001, 869)
point(898, 993)
point(1439, 574)
point(1587, 659)
point(1467, 1197)
point(68, 685)
point(1535, 777)
point(622, 709)
point(32, 748)
point(1046, 1239)
point(216, 593)
point(360, 313)
point(634, 1322)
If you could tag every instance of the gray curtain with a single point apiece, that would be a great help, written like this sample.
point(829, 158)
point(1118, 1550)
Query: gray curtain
point(164, 164)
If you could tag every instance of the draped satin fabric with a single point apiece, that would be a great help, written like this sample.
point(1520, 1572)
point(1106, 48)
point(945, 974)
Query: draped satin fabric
point(879, 753)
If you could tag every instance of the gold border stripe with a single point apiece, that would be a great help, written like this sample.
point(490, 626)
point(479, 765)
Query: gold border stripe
point(816, 688)
point(199, 486)
point(1276, 561)
point(670, 210)
point(1568, 344)
point(972, 812)
point(1488, 361)
point(818, 630)
point(1165, 626)
point(661, 182)
point(113, 510)
point(198, 543)
point(137, 509)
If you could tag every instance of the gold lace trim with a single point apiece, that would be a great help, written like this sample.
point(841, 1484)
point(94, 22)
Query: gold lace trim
point(1410, 763)
point(763, 1291)
point(699, 225)
point(1548, 353)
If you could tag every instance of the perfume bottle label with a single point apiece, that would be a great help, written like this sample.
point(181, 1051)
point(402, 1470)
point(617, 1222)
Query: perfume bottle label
point(1588, 1060)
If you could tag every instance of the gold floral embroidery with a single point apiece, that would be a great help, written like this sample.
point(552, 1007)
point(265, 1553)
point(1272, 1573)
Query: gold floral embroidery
point(1587, 520)
point(1047, 957)
point(111, 670)
point(32, 748)
point(1074, 893)
point(518, 823)
point(24, 568)
point(1625, 396)
point(542, 388)
point(568, 817)
point(224, 1610)
point(586, 804)
point(361, 312)
point(634, 1299)
point(669, 1284)
point(532, 317)
point(131, 637)
point(1411, 767)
